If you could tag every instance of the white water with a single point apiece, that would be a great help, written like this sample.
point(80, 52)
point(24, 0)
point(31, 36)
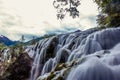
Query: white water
point(94, 68)
point(67, 47)
point(5, 55)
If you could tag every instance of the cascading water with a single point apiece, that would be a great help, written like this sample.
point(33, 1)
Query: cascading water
point(101, 59)
point(42, 52)
point(105, 68)
point(5, 55)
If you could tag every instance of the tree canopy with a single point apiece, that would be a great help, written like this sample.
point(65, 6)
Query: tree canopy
point(66, 6)
point(109, 11)
point(109, 15)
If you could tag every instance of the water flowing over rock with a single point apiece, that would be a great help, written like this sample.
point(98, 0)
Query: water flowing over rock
point(87, 55)
point(43, 51)
point(5, 55)
point(94, 68)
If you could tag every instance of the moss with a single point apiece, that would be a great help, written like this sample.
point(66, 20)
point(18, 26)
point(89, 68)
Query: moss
point(51, 76)
point(60, 66)
point(60, 78)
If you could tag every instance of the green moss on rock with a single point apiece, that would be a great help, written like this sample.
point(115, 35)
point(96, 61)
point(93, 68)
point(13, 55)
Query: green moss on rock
point(20, 69)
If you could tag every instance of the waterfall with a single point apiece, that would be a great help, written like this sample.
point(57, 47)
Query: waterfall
point(94, 68)
point(5, 55)
point(42, 52)
point(96, 46)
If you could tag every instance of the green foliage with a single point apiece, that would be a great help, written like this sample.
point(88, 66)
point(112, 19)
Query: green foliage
point(50, 76)
point(109, 13)
point(2, 46)
point(32, 42)
point(48, 35)
point(17, 49)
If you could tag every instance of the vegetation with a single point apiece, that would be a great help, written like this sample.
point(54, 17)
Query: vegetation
point(2, 46)
point(66, 6)
point(48, 35)
point(32, 42)
point(109, 15)
point(18, 69)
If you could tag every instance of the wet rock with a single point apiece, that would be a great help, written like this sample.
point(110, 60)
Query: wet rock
point(20, 69)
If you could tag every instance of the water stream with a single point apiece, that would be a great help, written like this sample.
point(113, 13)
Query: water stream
point(67, 47)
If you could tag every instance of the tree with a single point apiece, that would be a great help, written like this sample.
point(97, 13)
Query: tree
point(33, 40)
point(66, 6)
point(109, 15)
point(21, 48)
point(22, 38)
point(110, 12)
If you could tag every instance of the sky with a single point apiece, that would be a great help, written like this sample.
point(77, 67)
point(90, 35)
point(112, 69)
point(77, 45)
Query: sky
point(38, 17)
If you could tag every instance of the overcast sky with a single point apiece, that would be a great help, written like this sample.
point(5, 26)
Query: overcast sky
point(38, 17)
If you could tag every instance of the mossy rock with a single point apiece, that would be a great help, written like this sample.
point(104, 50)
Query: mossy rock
point(51, 76)
point(20, 69)
point(60, 67)
point(60, 78)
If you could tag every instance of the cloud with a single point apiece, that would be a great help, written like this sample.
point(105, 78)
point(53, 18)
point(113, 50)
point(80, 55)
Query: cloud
point(62, 30)
point(36, 18)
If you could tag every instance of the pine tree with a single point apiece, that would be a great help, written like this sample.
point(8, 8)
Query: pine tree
point(22, 39)
point(33, 40)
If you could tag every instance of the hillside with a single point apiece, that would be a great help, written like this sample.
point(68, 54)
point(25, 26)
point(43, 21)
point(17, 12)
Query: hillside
point(6, 40)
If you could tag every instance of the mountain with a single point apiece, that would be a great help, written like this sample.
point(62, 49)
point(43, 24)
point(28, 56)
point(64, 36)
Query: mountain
point(6, 40)
point(33, 41)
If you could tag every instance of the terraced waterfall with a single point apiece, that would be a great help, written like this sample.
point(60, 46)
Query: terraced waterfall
point(82, 55)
